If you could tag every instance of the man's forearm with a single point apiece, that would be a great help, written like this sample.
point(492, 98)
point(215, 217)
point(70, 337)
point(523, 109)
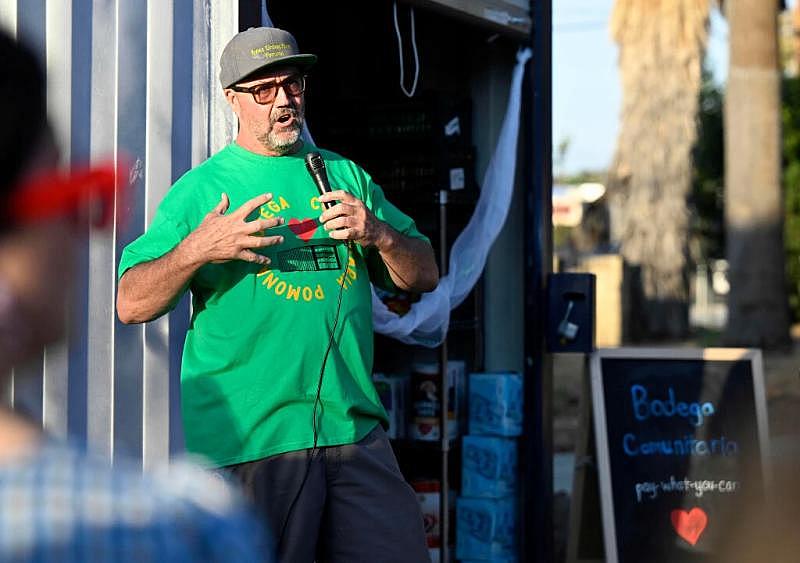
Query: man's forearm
point(410, 261)
point(147, 290)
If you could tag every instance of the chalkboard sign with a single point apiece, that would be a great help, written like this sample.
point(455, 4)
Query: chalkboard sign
point(681, 438)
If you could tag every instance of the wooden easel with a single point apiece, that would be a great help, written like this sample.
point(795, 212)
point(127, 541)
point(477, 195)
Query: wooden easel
point(585, 539)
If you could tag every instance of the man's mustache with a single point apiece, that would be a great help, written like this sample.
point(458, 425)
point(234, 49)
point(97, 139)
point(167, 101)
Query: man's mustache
point(285, 112)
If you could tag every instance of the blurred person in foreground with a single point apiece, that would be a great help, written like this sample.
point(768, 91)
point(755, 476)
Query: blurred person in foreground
point(57, 504)
point(281, 294)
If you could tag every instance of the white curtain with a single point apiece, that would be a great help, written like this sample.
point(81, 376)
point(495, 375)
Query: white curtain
point(428, 320)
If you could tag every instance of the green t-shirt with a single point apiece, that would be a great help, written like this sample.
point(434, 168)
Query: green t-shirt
point(258, 334)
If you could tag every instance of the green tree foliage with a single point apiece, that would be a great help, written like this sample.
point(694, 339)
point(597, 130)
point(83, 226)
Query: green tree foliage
point(708, 177)
point(791, 182)
point(708, 234)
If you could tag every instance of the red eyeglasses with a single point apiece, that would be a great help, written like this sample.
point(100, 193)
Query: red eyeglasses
point(85, 192)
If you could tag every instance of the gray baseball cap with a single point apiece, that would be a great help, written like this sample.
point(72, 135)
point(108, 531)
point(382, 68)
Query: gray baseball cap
point(260, 48)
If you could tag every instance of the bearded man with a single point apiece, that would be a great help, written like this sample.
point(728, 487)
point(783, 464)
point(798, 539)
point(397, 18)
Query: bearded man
point(276, 384)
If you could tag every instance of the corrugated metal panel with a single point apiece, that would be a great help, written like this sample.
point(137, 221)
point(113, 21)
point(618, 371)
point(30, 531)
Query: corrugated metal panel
point(58, 58)
point(158, 175)
point(103, 125)
point(8, 15)
point(138, 78)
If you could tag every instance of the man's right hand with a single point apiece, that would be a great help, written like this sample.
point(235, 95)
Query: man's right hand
point(148, 289)
point(221, 238)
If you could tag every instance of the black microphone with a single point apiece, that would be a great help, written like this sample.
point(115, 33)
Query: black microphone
point(316, 167)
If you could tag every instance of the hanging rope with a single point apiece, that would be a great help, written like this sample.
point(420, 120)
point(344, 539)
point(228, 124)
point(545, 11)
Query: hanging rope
point(409, 93)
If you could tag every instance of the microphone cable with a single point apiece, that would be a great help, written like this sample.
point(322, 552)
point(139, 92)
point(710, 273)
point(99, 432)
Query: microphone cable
point(317, 399)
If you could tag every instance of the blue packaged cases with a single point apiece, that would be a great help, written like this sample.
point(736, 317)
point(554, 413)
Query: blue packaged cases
point(489, 466)
point(495, 404)
point(486, 529)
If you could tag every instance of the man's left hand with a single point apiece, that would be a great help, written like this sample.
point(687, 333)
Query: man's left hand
point(350, 219)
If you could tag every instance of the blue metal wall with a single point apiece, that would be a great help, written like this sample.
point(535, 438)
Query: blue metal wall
point(139, 78)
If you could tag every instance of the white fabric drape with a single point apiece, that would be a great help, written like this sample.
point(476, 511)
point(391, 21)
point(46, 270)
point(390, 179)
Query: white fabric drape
point(428, 320)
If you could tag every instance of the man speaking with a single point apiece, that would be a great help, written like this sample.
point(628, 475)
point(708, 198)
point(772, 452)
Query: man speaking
point(276, 377)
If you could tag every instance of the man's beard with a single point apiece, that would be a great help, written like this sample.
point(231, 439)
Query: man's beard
point(283, 141)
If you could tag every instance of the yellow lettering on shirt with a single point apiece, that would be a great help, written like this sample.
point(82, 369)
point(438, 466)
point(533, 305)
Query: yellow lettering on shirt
point(269, 209)
point(293, 293)
point(270, 280)
point(350, 274)
point(280, 287)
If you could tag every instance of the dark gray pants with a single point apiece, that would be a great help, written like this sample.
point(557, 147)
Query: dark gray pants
point(354, 507)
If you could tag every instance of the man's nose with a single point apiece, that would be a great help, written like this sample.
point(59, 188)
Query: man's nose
point(281, 97)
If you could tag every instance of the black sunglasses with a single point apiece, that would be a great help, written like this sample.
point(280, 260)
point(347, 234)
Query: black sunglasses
point(266, 93)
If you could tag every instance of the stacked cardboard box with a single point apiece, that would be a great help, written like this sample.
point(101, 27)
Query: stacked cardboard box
point(486, 512)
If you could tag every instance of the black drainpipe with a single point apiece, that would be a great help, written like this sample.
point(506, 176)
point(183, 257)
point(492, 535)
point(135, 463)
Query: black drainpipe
point(536, 521)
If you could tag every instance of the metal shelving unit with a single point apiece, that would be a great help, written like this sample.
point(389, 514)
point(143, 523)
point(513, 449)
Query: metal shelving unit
point(444, 499)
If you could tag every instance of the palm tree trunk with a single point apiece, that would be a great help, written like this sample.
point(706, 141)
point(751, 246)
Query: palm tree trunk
point(758, 306)
point(661, 46)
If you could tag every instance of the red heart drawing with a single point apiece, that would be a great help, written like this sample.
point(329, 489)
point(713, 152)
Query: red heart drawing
point(689, 525)
point(304, 229)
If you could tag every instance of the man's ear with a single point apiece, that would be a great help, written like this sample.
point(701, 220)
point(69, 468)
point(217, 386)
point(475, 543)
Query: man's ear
point(233, 101)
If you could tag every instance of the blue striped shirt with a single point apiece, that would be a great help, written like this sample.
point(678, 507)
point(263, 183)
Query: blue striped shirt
point(59, 505)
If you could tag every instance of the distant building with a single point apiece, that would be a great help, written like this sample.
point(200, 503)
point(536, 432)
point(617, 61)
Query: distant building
point(789, 40)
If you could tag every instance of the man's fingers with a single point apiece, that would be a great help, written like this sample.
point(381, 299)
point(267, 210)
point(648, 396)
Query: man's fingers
point(338, 195)
point(340, 222)
point(336, 211)
point(263, 224)
point(250, 256)
point(341, 234)
point(249, 206)
point(223, 204)
point(261, 242)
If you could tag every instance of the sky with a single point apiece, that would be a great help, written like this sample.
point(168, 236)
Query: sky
point(586, 85)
